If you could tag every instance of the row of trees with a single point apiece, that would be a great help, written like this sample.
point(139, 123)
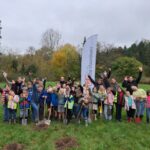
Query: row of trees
point(53, 60)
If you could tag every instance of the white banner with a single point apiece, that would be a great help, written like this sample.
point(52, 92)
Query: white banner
point(88, 59)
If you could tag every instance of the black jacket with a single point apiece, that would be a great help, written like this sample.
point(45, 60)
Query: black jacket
point(105, 83)
point(127, 84)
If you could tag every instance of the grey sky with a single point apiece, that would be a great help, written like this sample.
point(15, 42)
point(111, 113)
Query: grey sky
point(118, 22)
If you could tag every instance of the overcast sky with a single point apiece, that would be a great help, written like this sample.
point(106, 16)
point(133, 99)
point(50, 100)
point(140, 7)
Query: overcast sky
point(119, 22)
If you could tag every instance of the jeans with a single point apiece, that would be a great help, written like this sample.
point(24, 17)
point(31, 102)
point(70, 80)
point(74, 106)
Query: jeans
point(85, 112)
point(12, 114)
point(5, 113)
point(76, 110)
point(118, 111)
point(108, 112)
point(35, 111)
point(148, 114)
point(140, 106)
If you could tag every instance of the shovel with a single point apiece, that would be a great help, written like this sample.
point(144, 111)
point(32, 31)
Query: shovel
point(24, 120)
point(79, 114)
point(45, 121)
point(66, 112)
point(48, 122)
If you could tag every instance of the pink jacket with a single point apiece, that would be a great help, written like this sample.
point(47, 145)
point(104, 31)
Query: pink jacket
point(148, 102)
point(126, 103)
point(109, 99)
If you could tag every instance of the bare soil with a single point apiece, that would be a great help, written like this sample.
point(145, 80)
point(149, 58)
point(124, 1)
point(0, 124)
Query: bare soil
point(14, 146)
point(66, 143)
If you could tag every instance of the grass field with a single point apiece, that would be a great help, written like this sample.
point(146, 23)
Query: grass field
point(100, 135)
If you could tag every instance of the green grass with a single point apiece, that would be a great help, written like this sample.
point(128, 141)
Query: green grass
point(100, 135)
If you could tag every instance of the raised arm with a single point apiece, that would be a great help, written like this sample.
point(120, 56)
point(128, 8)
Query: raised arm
point(138, 79)
point(125, 82)
point(44, 83)
point(91, 80)
point(109, 73)
point(5, 76)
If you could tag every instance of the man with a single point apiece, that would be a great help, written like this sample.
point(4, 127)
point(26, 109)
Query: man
point(130, 81)
point(62, 81)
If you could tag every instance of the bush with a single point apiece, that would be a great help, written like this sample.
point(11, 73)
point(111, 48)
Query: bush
point(125, 66)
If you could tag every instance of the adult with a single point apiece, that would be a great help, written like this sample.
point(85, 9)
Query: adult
point(16, 86)
point(130, 81)
point(114, 86)
point(62, 81)
point(103, 79)
point(140, 99)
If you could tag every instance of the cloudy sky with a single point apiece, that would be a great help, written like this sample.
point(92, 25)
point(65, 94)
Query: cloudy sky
point(118, 22)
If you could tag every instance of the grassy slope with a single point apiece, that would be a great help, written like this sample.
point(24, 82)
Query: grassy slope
point(100, 135)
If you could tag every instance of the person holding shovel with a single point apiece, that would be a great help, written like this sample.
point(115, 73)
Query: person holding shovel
point(69, 103)
point(24, 106)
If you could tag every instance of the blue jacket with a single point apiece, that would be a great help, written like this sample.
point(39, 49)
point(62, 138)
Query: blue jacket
point(41, 98)
point(35, 94)
point(24, 103)
point(30, 94)
point(54, 99)
point(49, 98)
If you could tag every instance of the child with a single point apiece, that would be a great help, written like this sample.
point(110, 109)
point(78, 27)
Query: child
point(61, 102)
point(95, 98)
point(48, 100)
point(24, 105)
point(54, 102)
point(119, 104)
point(4, 93)
point(12, 106)
point(108, 104)
point(148, 107)
point(130, 106)
point(85, 107)
point(69, 102)
point(102, 94)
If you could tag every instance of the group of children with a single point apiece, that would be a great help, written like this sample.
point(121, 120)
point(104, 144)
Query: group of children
point(69, 100)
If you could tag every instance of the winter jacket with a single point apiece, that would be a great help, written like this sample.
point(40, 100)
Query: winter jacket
point(42, 97)
point(128, 85)
point(95, 97)
point(54, 99)
point(69, 102)
point(147, 102)
point(12, 101)
point(24, 103)
point(126, 103)
point(140, 94)
point(120, 98)
point(105, 83)
point(61, 99)
point(109, 99)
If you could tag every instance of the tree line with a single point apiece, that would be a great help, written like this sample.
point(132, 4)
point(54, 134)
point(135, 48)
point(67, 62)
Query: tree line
point(53, 60)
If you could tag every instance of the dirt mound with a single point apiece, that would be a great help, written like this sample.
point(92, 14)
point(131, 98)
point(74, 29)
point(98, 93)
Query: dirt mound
point(41, 127)
point(14, 146)
point(66, 143)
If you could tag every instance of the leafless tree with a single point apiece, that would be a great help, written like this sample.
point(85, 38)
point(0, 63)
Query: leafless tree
point(31, 50)
point(50, 39)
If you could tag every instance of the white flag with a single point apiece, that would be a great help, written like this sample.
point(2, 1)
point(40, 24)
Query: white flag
point(88, 59)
